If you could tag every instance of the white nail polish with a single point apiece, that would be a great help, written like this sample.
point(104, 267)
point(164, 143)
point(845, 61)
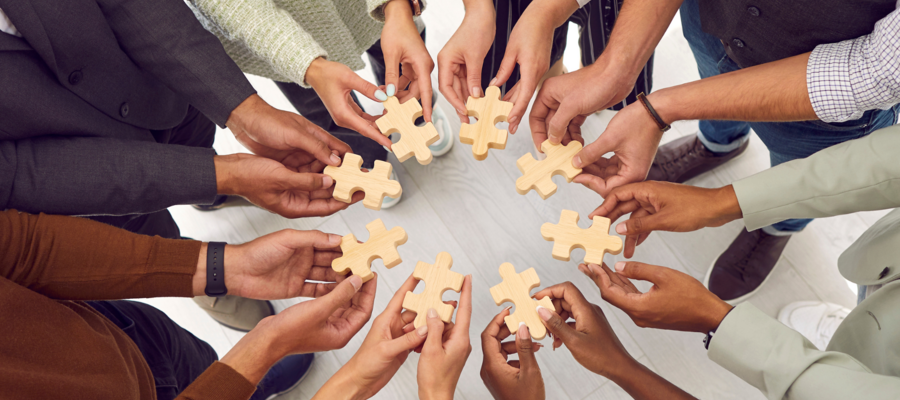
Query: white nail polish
point(380, 95)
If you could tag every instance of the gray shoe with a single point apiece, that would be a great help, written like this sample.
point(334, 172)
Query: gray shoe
point(235, 312)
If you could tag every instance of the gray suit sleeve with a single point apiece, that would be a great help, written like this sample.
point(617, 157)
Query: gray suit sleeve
point(164, 38)
point(859, 175)
point(102, 176)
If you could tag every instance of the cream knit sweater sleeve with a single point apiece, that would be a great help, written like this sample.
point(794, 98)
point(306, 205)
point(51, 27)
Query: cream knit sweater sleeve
point(268, 31)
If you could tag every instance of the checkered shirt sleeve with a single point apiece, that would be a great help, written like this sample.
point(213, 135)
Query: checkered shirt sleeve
point(846, 79)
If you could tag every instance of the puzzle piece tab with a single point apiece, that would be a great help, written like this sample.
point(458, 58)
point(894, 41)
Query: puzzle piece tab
point(483, 135)
point(438, 278)
point(414, 140)
point(516, 288)
point(537, 174)
point(382, 244)
point(376, 183)
point(596, 240)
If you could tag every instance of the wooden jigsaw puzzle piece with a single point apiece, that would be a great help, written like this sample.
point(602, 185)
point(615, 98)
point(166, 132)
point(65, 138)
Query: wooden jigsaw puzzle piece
point(567, 236)
point(538, 175)
point(376, 183)
point(516, 288)
point(414, 140)
point(483, 135)
point(438, 278)
point(382, 244)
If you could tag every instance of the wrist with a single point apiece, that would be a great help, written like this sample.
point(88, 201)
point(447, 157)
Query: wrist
point(241, 115)
point(554, 13)
point(226, 174)
point(626, 371)
point(254, 354)
point(315, 71)
point(478, 8)
point(343, 385)
point(397, 9)
point(715, 316)
point(729, 209)
point(433, 393)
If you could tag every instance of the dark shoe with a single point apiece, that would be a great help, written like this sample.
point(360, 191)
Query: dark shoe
point(687, 157)
point(742, 269)
point(235, 312)
point(283, 377)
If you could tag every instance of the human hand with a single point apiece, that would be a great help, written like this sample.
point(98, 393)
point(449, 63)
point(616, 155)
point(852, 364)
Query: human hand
point(323, 324)
point(633, 136)
point(664, 206)
point(510, 380)
point(401, 44)
point(278, 135)
point(292, 193)
point(461, 59)
point(589, 338)
point(444, 356)
point(334, 82)
point(676, 301)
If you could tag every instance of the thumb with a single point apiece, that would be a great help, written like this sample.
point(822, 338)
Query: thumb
point(363, 86)
point(592, 152)
point(473, 77)
point(645, 272)
point(434, 324)
point(525, 348)
point(307, 182)
point(317, 239)
point(639, 225)
point(339, 296)
point(409, 341)
point(559, 124)
point(556, 325)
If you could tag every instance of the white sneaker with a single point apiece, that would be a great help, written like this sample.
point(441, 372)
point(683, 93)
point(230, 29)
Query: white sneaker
point(815, 320)
point(442, 125)
point(389, 202)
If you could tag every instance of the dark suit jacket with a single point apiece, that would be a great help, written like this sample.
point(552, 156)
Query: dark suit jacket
point(82, 92)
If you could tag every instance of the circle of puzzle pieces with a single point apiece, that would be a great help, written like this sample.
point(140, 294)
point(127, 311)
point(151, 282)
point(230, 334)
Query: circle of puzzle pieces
point(567, 236)
point(483, 135)
point(414, 140)
point(382, 244)
point(349, 178)
point(538, 175)
point(438, 279)
point(516, 288)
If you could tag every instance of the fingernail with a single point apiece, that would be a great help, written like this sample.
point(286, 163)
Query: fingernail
point(621, 229)
point(356, 281)
point(422, 330)
point(513, 119)
point(522, 332)
point(327, 181)
point(543, 313)
point(476, 91)
point(432, 313)
point(379, 94)
point(334, 240)
point(507, 308)
point(391, 89)
point(514, 128)
point(576, 161)
point(461, 112)
point(620, 266)
point(493, 81)
point(335, 159)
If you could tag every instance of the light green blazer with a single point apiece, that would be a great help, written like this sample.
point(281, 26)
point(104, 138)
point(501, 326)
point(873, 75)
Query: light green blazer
point(862, 360)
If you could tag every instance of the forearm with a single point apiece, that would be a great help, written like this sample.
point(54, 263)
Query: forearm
point(639, 27)
point(552, 12)
point(79, 259)
point(773, 92)
point(341, 386)
point(642, 383)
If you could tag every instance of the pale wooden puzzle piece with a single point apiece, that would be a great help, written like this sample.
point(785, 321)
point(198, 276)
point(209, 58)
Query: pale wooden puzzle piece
point(349, 179)
point(438, 279)
point(537, 174)
point(382, 244)
point(483, 135)
point(414, 140)
point(596, 240)
point(516, 288)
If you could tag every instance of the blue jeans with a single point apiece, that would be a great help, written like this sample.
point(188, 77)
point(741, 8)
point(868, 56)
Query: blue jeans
point(786, 141)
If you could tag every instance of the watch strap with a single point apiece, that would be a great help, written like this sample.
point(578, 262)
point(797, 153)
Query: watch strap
point(416, 7)
point(215, 269)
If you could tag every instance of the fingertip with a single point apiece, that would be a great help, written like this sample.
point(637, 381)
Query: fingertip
point(391, 90)
point(380, 95)
point(620, 266)
point(422, 331)
point(493, 82)
point(576, 161)
point(334, 240)
point(621, 229)
point(327, 181)
point(522, 332)
point(356, 282)
point(335, 160)
point(544, 313)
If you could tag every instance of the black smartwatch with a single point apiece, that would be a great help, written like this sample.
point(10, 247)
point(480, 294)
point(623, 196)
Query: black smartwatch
point(215, 269)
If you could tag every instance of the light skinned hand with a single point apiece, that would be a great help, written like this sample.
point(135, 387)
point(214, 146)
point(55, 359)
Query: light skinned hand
point(402, 45)
point(444, 356)
point(676, 301)
point(277, 134)
point(633, 137)
point(516, 379)
point(334, 82)
point(664, 206)
point(302, 191)
point(460, 61)
point(589, 337)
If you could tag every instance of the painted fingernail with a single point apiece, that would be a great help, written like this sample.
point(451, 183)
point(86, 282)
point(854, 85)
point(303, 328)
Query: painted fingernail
point(379, 94)
point(620, 266)
point(356, 281)
point(391, 89)
point(493, 82)
point(327, 181)
point(335, 159)
point(507, 308)
point(423, 330)
point(543, 313)
point(576, 161)
point(432, 313)
point(621, 229)
point(476, 91)
point(522, 332)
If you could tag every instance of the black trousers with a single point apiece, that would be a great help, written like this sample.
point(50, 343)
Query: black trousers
point(175, 356)
point(196, 130)
point(595, 19)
